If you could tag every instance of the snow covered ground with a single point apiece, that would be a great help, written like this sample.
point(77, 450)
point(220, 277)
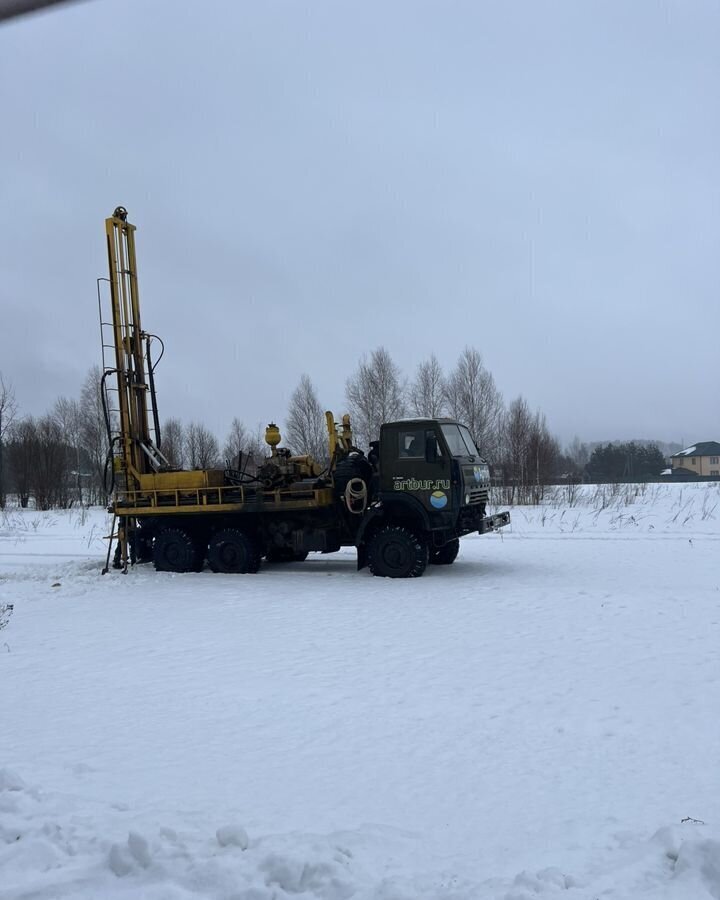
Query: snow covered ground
point(540, 719)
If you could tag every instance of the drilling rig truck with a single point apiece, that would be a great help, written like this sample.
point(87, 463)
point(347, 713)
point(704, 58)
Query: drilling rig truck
point(405, 503)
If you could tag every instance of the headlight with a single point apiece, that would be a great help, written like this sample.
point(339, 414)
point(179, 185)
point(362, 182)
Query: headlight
point(467, 499)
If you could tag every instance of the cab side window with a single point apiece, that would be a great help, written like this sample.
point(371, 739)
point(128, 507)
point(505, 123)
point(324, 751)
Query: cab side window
point(411, 443)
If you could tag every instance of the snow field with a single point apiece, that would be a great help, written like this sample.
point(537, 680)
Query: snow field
point(536, 719)
point(60, 846)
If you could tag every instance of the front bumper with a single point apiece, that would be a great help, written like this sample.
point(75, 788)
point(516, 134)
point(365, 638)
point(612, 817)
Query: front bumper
point(494, 523)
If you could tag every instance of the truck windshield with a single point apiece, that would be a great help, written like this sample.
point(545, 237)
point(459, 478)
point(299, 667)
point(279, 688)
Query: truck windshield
point(470, 443)
point(459, 440)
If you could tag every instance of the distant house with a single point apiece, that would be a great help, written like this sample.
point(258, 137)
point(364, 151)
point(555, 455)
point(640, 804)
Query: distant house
point(702, 459)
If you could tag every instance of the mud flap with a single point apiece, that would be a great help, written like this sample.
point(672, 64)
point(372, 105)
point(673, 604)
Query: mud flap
point(361, 556)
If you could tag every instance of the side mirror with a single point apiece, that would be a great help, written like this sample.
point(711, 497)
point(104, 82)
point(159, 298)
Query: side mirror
point(431, 453)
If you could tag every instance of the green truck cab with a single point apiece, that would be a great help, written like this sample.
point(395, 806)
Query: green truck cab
point(429, 488)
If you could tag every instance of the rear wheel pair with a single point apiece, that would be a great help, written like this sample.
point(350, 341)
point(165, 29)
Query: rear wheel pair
point(229, 550)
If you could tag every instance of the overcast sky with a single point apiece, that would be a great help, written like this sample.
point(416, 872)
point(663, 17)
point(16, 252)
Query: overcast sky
point(312, 180)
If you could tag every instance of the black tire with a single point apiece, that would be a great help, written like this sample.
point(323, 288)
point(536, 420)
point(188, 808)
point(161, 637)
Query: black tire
point(445, 556)
point(233, 551)
point(397, 552)
point(175, 550)
point(285, 554)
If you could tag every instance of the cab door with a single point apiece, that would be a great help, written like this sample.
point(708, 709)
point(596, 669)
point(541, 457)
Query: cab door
point(415, 463)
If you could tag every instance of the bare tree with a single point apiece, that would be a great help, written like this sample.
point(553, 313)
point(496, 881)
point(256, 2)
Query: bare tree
point(66, 413)
point(517, 425)
point(201, 447)
point(93, 431)
point(578, 453)
point(51, 469)
point(305, 428)
point(543, 453)
point(21, 448)
point(375, 394)
point(236, 442)
point(173, 442)
point(250, 443)
point(8, 411)
point(427, 390)
point(257, 449)
point(530, 454)
point(473, 399)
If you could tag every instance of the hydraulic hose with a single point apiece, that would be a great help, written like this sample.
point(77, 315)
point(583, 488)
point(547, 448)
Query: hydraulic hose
point(356, 496)
point(103, 400)
point(109, 488)
point(162, 350)
point(111, 440)
point(153, 396)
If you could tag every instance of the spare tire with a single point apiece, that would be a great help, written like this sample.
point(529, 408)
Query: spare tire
point(353, 466)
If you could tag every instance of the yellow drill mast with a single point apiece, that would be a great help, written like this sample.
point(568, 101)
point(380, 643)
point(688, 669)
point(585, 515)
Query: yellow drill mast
point(138, 452)
point(135, 443)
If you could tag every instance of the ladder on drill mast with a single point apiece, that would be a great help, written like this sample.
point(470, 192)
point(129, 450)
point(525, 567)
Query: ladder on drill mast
point(108, 386)
point(108, 390)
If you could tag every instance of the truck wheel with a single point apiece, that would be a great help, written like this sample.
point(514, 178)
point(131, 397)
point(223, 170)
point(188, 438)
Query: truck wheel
point(445, 556)
point(175, 550)
point(285, 554)
point(233, 551)
point(397, 552)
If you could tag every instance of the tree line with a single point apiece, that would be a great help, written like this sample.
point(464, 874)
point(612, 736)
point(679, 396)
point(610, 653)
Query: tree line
point(57, 458)
point(628, 461)
point(60, 458)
